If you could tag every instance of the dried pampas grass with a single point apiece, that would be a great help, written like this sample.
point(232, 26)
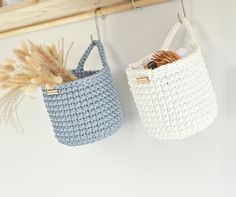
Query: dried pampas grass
point(33, 66)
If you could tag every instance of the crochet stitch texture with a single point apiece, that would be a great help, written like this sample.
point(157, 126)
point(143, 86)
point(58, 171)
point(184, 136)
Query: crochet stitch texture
point(179, 100)
point(85, 110)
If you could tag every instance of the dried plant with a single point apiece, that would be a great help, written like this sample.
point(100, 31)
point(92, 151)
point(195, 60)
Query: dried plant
point(32, 67)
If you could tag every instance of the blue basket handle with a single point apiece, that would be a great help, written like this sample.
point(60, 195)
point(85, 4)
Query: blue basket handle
point(86, 54)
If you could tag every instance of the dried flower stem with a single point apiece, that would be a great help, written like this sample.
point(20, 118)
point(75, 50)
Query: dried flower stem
point(10, 101)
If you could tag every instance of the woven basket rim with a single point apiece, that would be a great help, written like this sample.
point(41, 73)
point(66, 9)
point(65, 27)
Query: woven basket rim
point(132, 69)
point(78, 81)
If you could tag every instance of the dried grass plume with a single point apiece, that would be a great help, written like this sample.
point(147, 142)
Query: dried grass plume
point(32, 67)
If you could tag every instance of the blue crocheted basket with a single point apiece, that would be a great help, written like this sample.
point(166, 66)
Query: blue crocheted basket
point(85, 110)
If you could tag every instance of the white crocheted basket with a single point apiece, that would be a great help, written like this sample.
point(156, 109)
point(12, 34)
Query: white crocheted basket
point(175, 100)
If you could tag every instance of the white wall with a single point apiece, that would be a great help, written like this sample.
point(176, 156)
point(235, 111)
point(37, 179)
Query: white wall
point(130, 163)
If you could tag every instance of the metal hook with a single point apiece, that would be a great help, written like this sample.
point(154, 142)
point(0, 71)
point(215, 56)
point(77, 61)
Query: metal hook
point(97, 26)
point(184, 12)
point(134, 4)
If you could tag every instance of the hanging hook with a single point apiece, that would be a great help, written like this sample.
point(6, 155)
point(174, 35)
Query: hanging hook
point(184, 12)
point(97, 26)
point(134, 4)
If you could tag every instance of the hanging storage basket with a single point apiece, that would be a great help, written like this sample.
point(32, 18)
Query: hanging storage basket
point(85, 110)
point(175, 100)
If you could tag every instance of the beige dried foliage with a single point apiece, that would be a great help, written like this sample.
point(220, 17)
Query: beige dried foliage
point(39, 80)
point(20, 78)
point(50, 85)
point(58, 79)
point(9, 61)
point(6, 69)
point(32, 67)
point(5, 77)
point(8, 106)
point(30, 89)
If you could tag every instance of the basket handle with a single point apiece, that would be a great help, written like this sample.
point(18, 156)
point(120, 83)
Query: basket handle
point(174, 30)
point(86, 54)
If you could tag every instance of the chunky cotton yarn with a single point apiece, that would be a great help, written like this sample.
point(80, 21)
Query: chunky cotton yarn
point(178, 100)
point(85, 110)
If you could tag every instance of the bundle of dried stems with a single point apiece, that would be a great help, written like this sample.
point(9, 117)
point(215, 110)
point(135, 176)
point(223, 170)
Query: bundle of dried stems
point(33, 66)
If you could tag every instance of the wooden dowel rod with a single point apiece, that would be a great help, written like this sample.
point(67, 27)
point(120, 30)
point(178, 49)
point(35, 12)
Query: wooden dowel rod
point(78, 17)
point(18, 5)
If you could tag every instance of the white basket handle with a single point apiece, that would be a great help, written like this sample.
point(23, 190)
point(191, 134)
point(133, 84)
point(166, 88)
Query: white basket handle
point(174, 30)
